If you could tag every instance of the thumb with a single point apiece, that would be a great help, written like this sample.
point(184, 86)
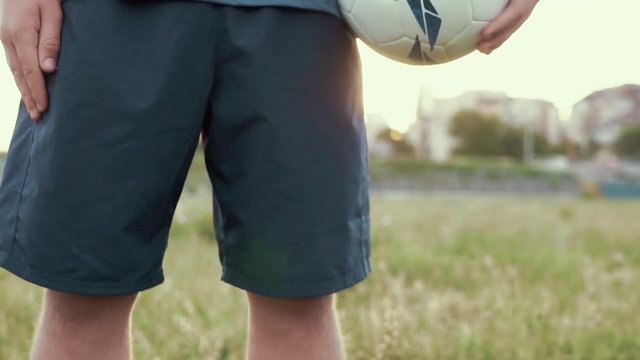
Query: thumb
point(49, 39)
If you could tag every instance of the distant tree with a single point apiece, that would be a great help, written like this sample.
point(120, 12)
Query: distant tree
point(397, 140)
point(485, 135)
point(477, 133)
point(628, 144)
point(510, 138)
point(557, 149)
point(541, 145)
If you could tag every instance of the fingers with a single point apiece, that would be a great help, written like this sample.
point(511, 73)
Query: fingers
point(497, 40)
point(26, 49)
point(30, 34)
point(503, 26)
point(49, 39)
point(18, 76)
point(504, 21)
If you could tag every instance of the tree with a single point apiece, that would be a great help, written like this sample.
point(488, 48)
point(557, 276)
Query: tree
point(477, 133)
point(485, 135)
point(511, 142)
point(628, 144)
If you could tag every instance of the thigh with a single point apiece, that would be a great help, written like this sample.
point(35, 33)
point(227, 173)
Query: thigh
point(89, 191)
point(287, 150)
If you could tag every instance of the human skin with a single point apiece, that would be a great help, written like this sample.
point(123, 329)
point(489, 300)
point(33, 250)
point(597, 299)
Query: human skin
point(30, 34)
point(74, 327)
point(504, 25)
point(83, 327)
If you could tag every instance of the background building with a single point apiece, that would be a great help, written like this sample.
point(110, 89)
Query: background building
point(601, 116)
point(430, 133)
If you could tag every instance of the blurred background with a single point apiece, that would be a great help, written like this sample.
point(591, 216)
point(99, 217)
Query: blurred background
point(504, 210)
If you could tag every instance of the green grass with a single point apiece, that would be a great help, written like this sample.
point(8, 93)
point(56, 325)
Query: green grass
point(453, 278)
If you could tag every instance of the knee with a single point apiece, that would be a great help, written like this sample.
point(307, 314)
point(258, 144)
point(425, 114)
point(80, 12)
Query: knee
point(289, 307)
point(72, 309)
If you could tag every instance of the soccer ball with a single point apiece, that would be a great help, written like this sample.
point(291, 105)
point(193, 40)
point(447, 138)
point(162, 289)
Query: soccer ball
point(420, 32)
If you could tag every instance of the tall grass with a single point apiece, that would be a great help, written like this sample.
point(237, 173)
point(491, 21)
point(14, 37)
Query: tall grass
point(453, 278)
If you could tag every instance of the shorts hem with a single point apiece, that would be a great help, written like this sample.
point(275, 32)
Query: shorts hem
point(82, 288)
point(295, 291)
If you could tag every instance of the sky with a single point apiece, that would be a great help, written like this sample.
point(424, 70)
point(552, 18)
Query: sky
point(565, 51)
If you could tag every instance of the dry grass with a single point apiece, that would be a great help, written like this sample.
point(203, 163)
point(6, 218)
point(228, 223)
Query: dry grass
point(453, 278)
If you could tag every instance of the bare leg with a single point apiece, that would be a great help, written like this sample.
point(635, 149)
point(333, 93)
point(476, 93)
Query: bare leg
point(282, 329)
point(73, 327)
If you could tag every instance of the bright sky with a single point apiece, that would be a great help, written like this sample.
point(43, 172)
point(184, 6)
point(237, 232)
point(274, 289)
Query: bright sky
point(568, 49)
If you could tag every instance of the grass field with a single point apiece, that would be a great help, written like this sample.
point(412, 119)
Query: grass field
point(453, 278)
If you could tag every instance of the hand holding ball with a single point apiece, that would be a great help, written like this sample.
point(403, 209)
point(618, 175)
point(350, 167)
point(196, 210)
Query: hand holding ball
point(421, 32)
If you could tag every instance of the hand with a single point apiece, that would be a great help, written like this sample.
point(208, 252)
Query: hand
point(501, 28)
point(30, 34)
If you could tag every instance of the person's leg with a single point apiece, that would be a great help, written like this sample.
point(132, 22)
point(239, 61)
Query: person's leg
point(286, 149)
point(83, 327)
point(281, 328)
point(88, 192)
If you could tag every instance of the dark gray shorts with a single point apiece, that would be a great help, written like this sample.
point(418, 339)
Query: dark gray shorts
point(89, 192)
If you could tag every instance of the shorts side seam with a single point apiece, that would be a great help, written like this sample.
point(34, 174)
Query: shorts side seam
point(364, 221)
point(24, 182)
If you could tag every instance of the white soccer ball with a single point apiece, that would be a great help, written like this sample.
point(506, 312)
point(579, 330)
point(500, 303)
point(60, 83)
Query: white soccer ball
point(420, 32)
